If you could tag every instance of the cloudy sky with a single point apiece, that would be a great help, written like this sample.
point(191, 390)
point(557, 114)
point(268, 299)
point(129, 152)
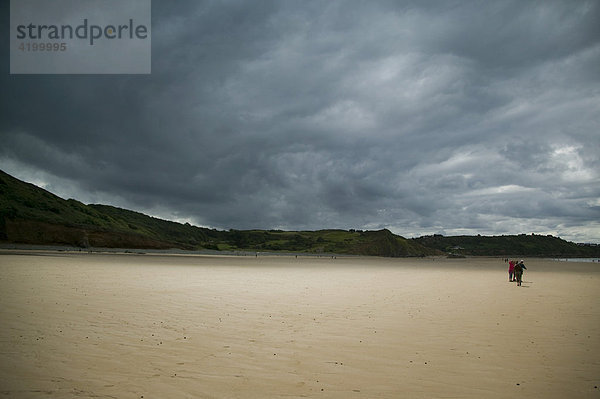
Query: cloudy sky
point(451, 117)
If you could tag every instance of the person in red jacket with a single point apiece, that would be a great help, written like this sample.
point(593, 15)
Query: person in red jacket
point(511, 270)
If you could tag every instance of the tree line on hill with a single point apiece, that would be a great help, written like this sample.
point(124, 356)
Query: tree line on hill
point(32, 215)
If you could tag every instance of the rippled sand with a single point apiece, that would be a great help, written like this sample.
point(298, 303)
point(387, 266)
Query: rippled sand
point(133, 326)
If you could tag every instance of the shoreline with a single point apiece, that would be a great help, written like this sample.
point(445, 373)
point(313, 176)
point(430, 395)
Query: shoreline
point(30, 248)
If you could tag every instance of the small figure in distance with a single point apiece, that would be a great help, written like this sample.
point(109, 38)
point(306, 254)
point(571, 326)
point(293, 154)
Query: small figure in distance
point(519, 267)
point(511, 270)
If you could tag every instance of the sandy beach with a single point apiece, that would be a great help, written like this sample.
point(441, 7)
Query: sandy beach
point(160, 326)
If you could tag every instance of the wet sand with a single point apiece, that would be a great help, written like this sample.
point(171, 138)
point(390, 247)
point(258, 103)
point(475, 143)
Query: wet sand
point(150, 326)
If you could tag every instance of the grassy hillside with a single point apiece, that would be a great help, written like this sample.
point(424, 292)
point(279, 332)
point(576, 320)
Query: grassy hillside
point(375, 243)
point(29, 214)
point(525, 245)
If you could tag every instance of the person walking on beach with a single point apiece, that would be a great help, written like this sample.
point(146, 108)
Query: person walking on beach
point(519, 271)
point(511, 270)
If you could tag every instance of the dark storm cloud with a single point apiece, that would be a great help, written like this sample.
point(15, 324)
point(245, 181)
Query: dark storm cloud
point(421, 117)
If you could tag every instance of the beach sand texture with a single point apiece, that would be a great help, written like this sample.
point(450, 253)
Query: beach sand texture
point(154, 326)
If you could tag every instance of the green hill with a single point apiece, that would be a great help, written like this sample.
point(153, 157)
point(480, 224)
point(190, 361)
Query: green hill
point(508, 245)
point(32, 215)
point(352, 242)
point(29, 214)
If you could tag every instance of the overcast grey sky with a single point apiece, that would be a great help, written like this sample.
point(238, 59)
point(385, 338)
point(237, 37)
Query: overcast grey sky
point(451, 117)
